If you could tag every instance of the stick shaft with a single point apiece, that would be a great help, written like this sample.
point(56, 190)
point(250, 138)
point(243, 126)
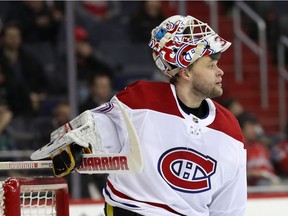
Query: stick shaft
point(24, 165)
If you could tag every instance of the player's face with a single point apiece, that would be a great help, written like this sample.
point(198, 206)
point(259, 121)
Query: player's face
point(206, 77)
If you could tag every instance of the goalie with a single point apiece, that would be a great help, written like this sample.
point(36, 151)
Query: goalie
point(169, 148)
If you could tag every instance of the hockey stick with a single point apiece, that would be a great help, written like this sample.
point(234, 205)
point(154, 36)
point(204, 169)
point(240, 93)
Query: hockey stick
point(92, 164)
point(25, 165)
point(98, 163)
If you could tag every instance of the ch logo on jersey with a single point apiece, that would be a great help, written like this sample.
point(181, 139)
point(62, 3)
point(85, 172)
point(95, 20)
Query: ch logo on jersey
point(187, 170)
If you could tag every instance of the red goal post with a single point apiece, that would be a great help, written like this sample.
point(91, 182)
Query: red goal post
point(34, 196)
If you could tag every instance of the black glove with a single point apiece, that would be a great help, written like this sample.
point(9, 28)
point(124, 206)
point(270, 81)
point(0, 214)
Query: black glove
point(67, 160)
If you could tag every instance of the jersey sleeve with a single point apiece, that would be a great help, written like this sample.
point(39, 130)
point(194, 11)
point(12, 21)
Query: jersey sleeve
point(110, 126)
point(231, 199)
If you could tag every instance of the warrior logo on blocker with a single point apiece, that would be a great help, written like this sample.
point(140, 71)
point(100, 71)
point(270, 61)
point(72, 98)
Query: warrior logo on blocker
point(187, 170)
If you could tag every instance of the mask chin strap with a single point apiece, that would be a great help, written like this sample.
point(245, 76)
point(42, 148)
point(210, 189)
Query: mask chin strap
point(173, 72)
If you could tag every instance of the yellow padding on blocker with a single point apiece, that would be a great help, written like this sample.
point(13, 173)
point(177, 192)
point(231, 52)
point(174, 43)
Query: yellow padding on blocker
point(70, 168)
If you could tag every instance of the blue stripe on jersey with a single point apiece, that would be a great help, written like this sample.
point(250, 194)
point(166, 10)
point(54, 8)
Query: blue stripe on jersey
point(104, 108)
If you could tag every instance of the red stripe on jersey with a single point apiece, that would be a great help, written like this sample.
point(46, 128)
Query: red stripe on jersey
point(226, 122)
point(155, 96)
point(123, 196)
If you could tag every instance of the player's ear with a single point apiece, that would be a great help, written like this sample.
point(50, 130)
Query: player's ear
point(184, 72)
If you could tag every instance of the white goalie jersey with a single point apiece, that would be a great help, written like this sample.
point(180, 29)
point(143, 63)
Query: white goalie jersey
point(192, 166)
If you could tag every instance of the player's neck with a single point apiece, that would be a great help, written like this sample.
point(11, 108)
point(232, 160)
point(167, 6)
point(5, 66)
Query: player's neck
point(188, 98)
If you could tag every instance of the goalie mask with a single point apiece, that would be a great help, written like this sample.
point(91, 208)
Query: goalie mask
point(179, 41)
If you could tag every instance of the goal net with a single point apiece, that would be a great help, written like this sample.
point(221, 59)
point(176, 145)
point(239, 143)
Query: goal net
point(34, 196)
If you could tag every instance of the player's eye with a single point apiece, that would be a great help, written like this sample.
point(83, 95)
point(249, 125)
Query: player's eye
point(211, 66)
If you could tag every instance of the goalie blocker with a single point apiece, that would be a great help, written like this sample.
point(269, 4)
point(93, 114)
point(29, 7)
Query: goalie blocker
point(76, 145)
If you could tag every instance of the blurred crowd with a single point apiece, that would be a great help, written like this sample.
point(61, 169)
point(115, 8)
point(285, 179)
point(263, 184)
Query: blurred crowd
point(111, 51)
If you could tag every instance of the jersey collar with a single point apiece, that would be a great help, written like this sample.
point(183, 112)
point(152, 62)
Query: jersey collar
point(203, 121)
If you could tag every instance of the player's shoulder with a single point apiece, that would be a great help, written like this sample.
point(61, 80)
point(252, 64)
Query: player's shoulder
point(226, 122)
point(147, 90)
point(144, 87)
point(157, 96)
point(224, 111)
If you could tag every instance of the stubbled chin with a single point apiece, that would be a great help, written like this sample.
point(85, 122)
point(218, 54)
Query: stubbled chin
point(217, 92)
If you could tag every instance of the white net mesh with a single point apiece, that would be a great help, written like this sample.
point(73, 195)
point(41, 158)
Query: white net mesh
point(38, 203)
